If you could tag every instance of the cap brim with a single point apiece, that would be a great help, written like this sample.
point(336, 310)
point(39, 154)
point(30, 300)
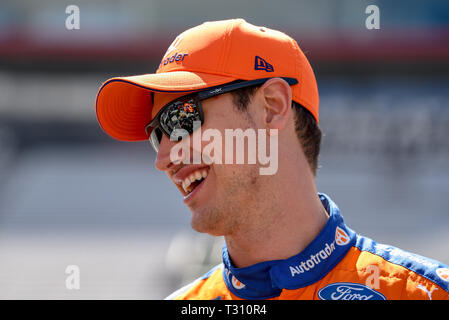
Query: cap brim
point(124, 104)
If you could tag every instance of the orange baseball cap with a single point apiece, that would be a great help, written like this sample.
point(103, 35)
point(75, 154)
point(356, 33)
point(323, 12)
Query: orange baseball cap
point(207, 55)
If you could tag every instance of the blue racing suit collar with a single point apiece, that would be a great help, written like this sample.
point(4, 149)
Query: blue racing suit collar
point(267, 279)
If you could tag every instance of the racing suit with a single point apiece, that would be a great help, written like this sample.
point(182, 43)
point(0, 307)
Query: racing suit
point(337, 265)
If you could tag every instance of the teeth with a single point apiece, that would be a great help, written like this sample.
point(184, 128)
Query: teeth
point(197, 175)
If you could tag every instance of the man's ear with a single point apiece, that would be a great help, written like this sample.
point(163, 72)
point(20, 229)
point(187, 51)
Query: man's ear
point(276, 95)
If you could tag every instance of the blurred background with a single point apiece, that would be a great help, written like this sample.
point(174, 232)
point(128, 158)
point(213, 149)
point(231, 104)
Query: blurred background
point(70, 195)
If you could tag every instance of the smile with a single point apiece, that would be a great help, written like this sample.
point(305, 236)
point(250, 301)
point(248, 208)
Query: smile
point(193, 180)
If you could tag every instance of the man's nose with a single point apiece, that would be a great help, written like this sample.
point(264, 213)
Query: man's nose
point(163, 158)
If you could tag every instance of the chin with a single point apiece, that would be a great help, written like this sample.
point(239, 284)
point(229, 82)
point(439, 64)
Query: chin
point(207, 222)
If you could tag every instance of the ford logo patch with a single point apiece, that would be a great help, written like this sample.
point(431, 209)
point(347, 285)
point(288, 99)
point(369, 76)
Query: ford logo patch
point(349, 291)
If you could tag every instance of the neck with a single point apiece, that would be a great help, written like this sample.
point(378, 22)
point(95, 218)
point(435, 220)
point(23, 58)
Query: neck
point(280, 227)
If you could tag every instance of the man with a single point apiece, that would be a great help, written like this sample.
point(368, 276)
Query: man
point(283, 239)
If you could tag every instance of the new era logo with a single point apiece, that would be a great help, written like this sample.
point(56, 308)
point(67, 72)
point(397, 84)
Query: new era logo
point(261, 64)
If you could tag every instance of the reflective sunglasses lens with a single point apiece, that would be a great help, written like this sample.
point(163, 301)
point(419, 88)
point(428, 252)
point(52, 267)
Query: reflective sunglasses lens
point(180, 117)
point(155, 138)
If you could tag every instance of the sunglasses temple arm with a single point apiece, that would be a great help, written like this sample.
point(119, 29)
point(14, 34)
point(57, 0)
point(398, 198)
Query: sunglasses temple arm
point(227, 88)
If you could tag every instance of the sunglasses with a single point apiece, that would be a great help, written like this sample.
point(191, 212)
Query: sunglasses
point(176, 119)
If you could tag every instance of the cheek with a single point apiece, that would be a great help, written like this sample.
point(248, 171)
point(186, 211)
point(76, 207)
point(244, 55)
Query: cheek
point(236, 179)
point(219, 113)
point(218, 135)
point(216, 147)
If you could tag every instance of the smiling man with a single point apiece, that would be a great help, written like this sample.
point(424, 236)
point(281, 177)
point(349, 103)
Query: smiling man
point(225, 91)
